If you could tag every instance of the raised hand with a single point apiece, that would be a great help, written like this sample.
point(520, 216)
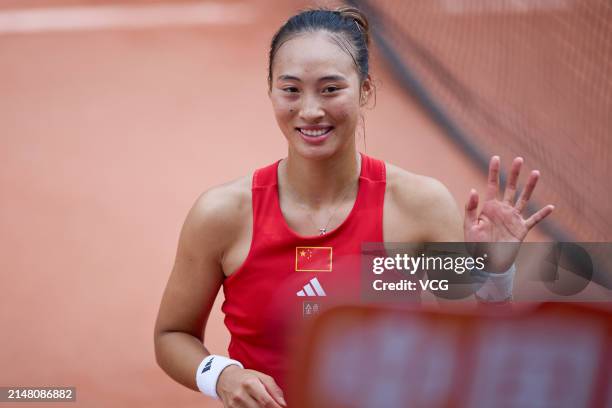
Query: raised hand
point(502, 220)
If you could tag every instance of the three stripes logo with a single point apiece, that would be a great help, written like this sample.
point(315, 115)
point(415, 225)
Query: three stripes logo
point(312, 288)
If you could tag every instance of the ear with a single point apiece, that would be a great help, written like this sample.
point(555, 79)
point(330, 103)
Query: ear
point(367, 87)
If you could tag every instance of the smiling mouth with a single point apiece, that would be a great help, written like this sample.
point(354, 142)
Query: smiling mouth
point(315, 132)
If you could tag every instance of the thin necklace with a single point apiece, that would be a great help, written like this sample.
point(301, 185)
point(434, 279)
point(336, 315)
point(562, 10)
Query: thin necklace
point(323, 231)
point(347, 189)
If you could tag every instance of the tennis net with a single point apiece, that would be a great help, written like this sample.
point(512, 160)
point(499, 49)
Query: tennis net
point(516, 77)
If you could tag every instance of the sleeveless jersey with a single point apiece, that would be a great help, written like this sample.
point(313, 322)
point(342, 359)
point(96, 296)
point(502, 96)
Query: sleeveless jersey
point(286, 278)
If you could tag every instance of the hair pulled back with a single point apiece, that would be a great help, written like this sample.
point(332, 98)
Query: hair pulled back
point(349, 28)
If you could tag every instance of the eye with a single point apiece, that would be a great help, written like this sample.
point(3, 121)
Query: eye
point(330, 89)
point(290, 89)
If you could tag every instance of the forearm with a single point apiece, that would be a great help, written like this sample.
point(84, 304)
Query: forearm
point(179, 355)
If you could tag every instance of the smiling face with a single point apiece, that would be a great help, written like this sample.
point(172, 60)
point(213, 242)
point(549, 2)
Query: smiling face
point(315, 93)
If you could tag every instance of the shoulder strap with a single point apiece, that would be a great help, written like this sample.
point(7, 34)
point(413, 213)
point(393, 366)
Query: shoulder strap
point(266, 176)
point(373, 169)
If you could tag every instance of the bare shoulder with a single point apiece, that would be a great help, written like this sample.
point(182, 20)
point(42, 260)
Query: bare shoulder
point(414, 191)
point(423, 203)
point(225, 200)
point(218, 214)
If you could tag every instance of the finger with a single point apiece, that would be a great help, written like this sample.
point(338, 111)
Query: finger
point(527, 191)
point(471, 209)
point(539, 216)
point(515, 170)
point(493, 179)
point(241, 400)
point(248, 402)
point(260, 394)
point(273, 389)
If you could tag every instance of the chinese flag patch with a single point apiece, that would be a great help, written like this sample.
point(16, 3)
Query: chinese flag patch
point(313, 259)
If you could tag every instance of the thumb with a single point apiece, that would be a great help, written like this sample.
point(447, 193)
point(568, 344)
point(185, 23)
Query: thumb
point(471, 207)
point(272, 388)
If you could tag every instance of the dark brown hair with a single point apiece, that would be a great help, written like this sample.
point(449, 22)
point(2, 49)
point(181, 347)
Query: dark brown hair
point(349, 28)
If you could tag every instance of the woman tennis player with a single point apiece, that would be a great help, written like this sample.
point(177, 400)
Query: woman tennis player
point(269, 238)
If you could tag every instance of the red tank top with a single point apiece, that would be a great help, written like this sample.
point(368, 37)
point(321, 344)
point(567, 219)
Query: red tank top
point(286, 278)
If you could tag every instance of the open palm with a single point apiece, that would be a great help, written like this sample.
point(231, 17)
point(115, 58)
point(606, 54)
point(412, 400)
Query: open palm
point(502, 220)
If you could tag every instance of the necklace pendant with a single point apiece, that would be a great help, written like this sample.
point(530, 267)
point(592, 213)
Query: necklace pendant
point(322, 231)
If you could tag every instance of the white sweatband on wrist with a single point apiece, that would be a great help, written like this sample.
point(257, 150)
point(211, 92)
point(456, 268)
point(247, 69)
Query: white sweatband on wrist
point(497, 287)
point(209, 371)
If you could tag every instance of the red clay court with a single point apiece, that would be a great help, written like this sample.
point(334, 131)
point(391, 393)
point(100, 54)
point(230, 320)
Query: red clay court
point(115, 116)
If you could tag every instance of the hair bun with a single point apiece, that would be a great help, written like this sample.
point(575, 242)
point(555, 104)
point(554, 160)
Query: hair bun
point(360, 19)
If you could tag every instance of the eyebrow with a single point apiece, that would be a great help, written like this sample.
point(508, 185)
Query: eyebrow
point(325, 78)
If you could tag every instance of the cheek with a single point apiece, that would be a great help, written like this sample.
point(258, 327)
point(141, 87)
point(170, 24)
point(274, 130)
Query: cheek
point(344, 109)
point(283, 111)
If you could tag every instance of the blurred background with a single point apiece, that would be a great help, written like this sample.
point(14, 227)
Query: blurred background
point(116, 115)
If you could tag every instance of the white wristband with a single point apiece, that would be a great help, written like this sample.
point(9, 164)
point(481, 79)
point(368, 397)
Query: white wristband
point(497, 287)
point(209, 371)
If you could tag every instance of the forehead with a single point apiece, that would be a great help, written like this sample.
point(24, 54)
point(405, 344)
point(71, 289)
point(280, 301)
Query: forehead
point(313, 54)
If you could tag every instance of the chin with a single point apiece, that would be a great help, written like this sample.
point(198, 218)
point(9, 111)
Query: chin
point(315, 153)
point(325, 151)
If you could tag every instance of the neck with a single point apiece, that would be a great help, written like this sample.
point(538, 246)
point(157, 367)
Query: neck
point(318, 183)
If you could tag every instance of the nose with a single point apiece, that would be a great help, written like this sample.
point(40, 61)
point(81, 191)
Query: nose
point(311, 109)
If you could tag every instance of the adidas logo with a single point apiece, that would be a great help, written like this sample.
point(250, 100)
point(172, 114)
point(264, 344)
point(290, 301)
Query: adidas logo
point(312, 288)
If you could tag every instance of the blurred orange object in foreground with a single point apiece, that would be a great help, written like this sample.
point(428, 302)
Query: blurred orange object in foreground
point(554, 355)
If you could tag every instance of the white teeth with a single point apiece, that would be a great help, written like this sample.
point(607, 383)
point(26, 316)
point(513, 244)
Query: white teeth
point(314, 133)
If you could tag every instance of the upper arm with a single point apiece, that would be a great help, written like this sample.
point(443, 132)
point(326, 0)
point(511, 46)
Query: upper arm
point(197, 275)
point(441, 214)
